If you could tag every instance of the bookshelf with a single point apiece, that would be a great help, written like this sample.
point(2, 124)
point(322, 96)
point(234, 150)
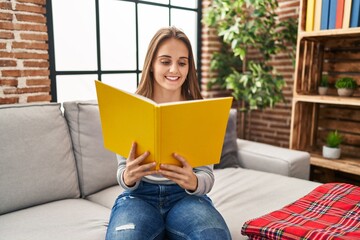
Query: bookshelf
point(336, 53)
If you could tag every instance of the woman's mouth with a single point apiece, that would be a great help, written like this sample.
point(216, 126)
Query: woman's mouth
point(170, 78)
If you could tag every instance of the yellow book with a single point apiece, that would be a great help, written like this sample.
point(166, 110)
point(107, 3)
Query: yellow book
point(317, 15)
point(310, 10)
point(194, 129)
point(347, 14)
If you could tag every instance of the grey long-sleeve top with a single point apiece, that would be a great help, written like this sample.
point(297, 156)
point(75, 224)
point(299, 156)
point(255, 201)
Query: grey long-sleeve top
point(204, 175)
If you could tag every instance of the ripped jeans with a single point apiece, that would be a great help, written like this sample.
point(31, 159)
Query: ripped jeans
point(164, 211)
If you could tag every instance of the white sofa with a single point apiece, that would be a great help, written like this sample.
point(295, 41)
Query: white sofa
point(58, 182)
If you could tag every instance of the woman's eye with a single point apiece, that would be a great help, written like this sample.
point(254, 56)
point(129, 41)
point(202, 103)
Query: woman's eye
point(165, 62)
point(182, 64)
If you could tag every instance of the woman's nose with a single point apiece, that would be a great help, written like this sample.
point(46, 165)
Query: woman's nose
point(174, 68)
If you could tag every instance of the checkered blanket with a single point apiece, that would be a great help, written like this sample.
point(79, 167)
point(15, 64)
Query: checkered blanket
point(330, 211)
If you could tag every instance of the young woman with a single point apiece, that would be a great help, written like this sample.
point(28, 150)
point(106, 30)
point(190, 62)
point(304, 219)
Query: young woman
point(172, 201)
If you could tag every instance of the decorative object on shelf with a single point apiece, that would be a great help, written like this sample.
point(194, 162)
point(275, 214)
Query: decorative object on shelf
point(324, 85)
point(332, 148)
point(345, 86)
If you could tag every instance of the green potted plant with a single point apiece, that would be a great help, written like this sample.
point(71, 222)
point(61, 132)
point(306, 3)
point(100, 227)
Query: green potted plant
point(244, 25)
point(345, 86)
point(324, 85)
point(332, 148)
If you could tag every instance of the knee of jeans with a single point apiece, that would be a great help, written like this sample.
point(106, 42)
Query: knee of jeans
point(130, 232)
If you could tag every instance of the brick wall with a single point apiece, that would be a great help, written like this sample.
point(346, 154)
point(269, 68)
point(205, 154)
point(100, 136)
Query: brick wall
point(24, 66)
point(268, 126)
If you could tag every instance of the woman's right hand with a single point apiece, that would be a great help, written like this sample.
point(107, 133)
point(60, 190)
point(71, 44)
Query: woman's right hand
point(134, 171)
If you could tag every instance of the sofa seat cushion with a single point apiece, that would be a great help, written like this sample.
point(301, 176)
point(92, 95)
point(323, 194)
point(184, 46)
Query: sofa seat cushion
point(36, 157)
point(239, 194)
point(106, 197)
point(242, 194)
point(66, 219)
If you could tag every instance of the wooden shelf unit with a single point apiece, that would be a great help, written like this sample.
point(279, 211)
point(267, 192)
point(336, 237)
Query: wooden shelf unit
point(335, 53)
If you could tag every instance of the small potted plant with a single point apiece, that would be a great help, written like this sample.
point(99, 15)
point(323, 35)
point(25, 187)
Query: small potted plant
point(345, 86)
point(332, 148)
point(324, 85)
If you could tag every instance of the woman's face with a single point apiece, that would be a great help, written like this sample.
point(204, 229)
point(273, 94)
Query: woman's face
point(170, 66)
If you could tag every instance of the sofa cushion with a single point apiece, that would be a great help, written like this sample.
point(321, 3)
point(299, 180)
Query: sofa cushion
point(229, 154)
point(66, 219)
point(36, 158)
point(269, 158)
point(242, 194)
point(106, 197)
point(96, 165)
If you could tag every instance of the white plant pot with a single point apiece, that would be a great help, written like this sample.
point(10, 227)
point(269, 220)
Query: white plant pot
point(322, 90)
point(331, 153)
point(345, 92)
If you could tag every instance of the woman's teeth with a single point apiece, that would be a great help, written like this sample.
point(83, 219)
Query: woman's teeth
point(172, 78)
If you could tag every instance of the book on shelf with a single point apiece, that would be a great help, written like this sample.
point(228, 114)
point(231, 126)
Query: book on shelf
point(310, 10)
point(355, 13)
point(325, 8)
point(317, 15)
point(347, 14)
point(339, 13)
point(194, 129)
point(332, 14)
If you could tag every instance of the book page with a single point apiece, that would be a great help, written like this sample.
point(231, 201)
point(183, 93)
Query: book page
point(126, 118)
point(193, 129)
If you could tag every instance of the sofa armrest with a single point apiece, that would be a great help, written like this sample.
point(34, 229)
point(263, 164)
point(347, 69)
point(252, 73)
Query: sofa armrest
point(269, 158)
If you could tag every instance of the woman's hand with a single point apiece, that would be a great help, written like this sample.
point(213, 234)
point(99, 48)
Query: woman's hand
point(183, 176)
point(134, 171)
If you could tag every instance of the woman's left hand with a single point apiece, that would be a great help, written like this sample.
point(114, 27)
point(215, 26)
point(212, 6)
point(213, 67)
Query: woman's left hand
point(183, 176)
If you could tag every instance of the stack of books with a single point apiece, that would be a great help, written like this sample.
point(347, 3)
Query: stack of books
point(332, 14)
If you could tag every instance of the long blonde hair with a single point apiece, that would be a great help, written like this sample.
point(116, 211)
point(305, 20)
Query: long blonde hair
point(190, 88)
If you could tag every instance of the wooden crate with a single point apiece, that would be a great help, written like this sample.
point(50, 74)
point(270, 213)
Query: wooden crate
point(314, 116)
point(334, 57)
point(335, 53)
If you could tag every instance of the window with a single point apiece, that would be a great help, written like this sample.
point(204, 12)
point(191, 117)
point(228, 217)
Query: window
point(108, 39)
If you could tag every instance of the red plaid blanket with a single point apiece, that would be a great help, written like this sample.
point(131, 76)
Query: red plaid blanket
point(330, 211)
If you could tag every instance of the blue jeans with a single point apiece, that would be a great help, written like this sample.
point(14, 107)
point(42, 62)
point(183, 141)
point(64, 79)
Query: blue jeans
point(156, 211)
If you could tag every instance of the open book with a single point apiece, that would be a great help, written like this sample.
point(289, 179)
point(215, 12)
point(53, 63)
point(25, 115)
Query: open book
point(194, 129)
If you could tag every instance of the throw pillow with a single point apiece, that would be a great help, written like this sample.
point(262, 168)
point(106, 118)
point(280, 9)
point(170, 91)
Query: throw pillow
point(229, 155)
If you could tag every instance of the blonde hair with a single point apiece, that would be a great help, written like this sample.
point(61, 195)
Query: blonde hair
point(190, 88)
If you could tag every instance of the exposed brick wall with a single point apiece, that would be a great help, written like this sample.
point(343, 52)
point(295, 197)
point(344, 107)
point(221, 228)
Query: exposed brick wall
point(24, 65)
point(268, 126)
point(210, 44)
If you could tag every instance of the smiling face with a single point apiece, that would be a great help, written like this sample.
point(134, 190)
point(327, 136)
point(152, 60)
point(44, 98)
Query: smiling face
point(170, 69)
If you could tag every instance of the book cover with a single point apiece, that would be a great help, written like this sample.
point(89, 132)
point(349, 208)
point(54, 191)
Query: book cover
point(317, 15)
point(332, 14)
point(347, 13)
point(355, 12)
point(325, 7)
point(310, 8)
point(339, 13)
point(194, 129)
